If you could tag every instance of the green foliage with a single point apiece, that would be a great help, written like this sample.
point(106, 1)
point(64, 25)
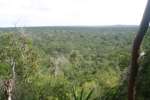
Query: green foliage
point(52, 60)
point(81, 95)
point(143, 88)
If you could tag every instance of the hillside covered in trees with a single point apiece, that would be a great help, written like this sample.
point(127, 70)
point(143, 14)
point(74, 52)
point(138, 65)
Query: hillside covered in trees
point(70, 63)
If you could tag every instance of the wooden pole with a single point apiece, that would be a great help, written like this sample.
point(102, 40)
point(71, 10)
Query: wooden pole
point(133, 70)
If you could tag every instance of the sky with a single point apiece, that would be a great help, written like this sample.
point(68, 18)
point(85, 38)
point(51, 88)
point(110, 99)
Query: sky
point(70, 12)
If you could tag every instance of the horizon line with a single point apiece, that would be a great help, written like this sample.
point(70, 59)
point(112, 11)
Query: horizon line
point(115, 25)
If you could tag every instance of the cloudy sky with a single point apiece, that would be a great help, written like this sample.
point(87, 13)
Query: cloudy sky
point(70, 12)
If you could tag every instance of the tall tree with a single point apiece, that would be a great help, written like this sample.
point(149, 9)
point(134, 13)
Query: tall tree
point(17, 54)
point(135, 52)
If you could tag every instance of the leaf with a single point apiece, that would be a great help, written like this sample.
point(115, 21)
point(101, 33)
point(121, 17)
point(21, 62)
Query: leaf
point(74, 94)
point(89, 95)
point(81, 96)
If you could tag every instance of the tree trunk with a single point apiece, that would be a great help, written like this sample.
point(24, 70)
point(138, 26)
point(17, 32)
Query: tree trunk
point(10, 83)
point(8, 86)
point(133, 70)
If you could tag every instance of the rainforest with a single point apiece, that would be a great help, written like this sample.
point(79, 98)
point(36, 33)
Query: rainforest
point(70, 63)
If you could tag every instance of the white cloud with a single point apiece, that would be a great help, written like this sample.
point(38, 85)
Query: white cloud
point(70, 12)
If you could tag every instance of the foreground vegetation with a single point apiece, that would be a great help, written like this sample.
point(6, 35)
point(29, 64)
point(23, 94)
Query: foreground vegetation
point(70, 63)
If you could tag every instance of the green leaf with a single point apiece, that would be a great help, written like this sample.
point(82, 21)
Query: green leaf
point(89, 95)
point(81, 96)
point(74, 94)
